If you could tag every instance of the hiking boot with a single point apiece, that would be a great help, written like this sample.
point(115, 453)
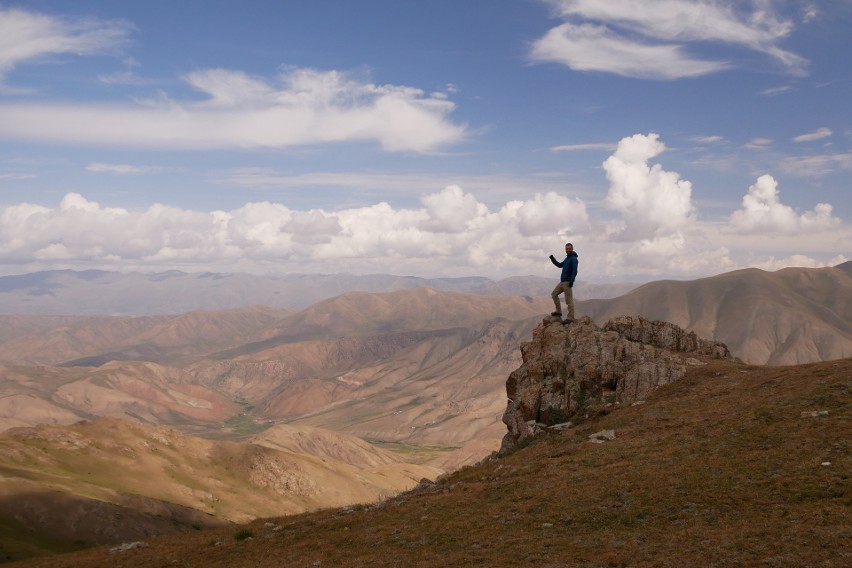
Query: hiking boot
point(567, 321)
point(556, 314)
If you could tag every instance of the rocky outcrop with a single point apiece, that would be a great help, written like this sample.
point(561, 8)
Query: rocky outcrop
point(573, 371)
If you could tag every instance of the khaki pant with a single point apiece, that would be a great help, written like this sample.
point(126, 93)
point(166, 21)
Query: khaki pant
point(561, 288)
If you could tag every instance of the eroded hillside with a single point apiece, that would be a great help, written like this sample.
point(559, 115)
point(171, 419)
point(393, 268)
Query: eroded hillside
point(66, 487)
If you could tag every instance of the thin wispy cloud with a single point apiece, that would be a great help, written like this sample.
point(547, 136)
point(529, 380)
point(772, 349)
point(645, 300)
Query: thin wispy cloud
point(32, 37)
point(16, 176)
point(297, 108)
point(707, 139)
point(581, 147)
point(816, 166)
point(596, 48)
point(817, 134)
point(775, 91)
point(653, 40)
point(126, 77)
point(758, 144)
point(98, 167)
point(392, 186)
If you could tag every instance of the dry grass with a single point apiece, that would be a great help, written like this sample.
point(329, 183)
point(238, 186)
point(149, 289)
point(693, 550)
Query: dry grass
point(719, 469)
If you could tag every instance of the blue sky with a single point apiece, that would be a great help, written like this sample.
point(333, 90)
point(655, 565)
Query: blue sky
point(667, 138)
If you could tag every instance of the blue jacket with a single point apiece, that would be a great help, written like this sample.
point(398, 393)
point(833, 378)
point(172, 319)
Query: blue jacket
point(568, 266)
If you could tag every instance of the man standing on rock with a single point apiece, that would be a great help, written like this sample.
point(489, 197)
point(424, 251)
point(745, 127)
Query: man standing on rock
point(566, 282)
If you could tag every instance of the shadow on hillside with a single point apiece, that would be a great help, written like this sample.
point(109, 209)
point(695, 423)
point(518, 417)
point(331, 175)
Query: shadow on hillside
point(39, 523)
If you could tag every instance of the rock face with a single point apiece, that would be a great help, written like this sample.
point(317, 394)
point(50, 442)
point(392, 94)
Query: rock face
point(569, 372)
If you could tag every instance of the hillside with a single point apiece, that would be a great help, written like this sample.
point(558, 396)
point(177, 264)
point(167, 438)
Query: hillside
point(109, 480)
point(733, 465)
point(794, 315)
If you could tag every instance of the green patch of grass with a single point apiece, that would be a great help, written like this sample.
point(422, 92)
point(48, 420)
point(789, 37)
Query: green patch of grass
point(245, 423)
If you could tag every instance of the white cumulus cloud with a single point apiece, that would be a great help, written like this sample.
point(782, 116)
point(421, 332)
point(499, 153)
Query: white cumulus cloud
point(451, 229)
point(451, 210)
point(763, 212)
point(552, 213)
point(652, 201)
point(450, 232)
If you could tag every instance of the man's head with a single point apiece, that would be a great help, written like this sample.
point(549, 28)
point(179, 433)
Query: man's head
point(569, 248)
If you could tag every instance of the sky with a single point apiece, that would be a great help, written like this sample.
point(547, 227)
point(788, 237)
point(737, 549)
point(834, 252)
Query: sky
point(663, 138)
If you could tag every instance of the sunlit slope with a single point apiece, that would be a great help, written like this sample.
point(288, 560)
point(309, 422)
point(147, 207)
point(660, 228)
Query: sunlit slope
point(795, 315)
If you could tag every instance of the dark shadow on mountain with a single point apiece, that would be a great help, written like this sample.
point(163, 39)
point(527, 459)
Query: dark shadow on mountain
point(41, 523)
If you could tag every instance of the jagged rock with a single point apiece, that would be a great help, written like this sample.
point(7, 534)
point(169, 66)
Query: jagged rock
point(665, 335)
point(570, 372)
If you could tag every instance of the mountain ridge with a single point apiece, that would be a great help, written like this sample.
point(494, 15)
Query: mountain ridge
point(97, 292)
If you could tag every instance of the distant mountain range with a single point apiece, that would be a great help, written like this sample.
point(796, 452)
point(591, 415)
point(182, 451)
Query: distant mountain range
point(97, 292)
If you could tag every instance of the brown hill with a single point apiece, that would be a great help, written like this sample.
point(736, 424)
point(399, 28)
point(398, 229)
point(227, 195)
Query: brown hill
point(423, 309)
point(143, 392)
point(125, 481)
point(733, 465)
point(794, 315)
point(448, 392)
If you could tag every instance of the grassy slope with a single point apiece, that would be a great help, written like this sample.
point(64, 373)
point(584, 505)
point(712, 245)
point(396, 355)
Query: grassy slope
point(719, 469)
